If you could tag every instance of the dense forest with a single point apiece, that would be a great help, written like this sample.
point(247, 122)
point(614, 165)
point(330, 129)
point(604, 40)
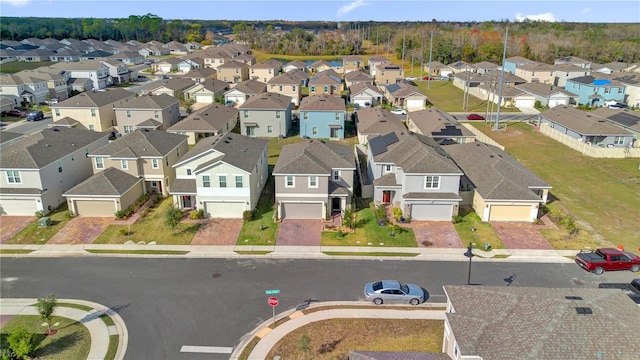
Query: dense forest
point(450, 41)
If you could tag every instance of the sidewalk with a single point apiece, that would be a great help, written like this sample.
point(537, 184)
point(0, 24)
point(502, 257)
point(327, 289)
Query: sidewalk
point(98, 329)
point(269, 337)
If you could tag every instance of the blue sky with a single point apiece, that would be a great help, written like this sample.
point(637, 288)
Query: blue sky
point(623, 11)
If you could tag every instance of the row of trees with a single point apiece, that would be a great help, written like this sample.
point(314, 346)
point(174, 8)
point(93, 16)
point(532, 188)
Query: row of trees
point(451, 41)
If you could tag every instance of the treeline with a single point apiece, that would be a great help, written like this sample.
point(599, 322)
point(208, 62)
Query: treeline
point(450, 41)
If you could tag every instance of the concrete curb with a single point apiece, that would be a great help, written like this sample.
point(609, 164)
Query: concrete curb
point(98, 330)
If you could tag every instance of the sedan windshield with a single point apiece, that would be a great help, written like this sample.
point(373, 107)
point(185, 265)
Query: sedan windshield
point(404, 288)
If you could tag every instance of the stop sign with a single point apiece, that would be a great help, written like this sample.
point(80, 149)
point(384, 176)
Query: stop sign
point(273, 301)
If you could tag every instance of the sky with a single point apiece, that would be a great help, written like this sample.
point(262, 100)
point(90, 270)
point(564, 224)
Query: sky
point(620, 11)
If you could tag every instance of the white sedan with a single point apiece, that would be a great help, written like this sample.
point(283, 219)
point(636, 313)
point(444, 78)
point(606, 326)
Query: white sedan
point(399, 111)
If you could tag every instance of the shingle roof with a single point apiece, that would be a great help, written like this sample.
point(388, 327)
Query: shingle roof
point(498, 322)
point(272, 101)
point(623, 117)
point(582, 122)
point(327, 77)
point(543, 89)
point(94, 98)
point(378, 121)
point(161, 101)
point(494, 173)
point(184, 186)
point(250, 87)
point(360, 87)
point(232, 64)
point(174, 84)
point(322, 102)
point(287, 78)
point(238, 150)
point(141, 143)
point(45, 147)
point(211, 118)
point(357, 76)
point(109, 182)
point(437, 124)
point(314, 157)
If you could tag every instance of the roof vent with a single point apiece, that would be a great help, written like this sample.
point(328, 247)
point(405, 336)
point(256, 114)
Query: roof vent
point(584, 310)
point(245, 149)
point(226, 141)
point(491, 156)
point(571, 297)
point(47, 145)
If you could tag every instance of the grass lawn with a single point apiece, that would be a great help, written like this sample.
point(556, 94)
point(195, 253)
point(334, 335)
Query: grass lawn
point(343, 253)
point(335, 338)
point(447, 97)
point(32, 234)
point(603, 195)
point(262, 230)
point(15, 251)
point(151, 228)
point(369, 233)
point(17, 66)
point(262, 56)
point(145, 252)
point(72, 341)
point(472, 229)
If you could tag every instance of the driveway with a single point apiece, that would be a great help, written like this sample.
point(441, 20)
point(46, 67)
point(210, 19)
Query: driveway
point(435, 234)
point(521, 235)
point(218, 232)
point(299, 232)
point(81, 230)
point(11, 225)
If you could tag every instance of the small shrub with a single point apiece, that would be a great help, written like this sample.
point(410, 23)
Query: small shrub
point(197, 214)
point(144, 213)
point(6, 354)
point(39, 214)
point(349, 218)
point(397, 213)
point(21, 343)
point(123, 232)
point(247, 215)
point(457, 219)
point(120, 214)
point(69, 214)
point(172, 216)
point(304, 343)
point(340, 234)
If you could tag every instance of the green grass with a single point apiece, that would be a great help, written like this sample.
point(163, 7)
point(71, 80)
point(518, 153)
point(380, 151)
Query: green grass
point(603, 195)
point(32, 234)
point(253, 252)
point(447, 97)
point(262, 230)
point(17, 66)
point(107, 320)
point(74, 306)
point(344, 253)
point(472, 230)
point(151, 228)
point(146, 252)
point(15, 251)
point(113, 347)
point(71, 341)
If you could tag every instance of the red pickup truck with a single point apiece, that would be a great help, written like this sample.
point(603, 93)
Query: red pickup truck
point(607, 259)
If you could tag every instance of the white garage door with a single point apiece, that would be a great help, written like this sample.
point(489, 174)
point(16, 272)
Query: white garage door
point(95, 208)
point(238, 99)
point(18, 207)
point(302, 211)
point(556, 102)
point(207, 99)
point(432, 212)
point(415, 104)
point(510, 213)
point(525, 103)
point(230, 210)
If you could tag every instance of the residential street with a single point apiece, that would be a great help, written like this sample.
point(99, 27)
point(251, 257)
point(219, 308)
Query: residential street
point(169, 303)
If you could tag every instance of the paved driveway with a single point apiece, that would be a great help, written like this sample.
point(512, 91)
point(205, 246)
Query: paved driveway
point(11, 225)
point(521, 235)
point(435, 234)
point(218, 232)
point(301, 232)
point(81, 230)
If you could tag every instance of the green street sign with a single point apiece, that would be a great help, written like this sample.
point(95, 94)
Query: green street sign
point(272, 292)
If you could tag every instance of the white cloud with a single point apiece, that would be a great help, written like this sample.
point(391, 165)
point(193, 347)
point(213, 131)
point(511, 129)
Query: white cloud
point(586, 10)
point(548, 16)
point(17, 3)
point(349, 8)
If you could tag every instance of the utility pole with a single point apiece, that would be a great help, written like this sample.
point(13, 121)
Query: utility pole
point(377, 43)
point(388, 41)
point(430, 54)
point(504, 56)
point(422, 56)
point(404, 31)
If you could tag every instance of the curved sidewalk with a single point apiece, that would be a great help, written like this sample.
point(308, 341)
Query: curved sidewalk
point(98, 329)
point(347, 310)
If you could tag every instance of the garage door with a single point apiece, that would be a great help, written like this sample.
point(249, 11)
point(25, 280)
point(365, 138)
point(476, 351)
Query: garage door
point(207, 99)
point(510, 213)
point(524, 103)
point(224, 209)
point(18, 207)
point(556, 102)
point(433, 212)
point(95, 208)
point(302, 211)
point(238, 99)
point(415, 104)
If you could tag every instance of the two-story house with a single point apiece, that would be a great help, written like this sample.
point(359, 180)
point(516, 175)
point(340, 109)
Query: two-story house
point(594, 92)
point(357, 77)
point(388, 73)
point(288, 84)
point(265, 70)
point(439, 126)
point(374, 121)
point(208, 121)
point(38, 169)
point(314, 180)
point(512, 63)
point(537, 72)
point(352, 63)
point(564, 72)
point(325, 82)
point(94, 70)
point(223, 175)
point(233, 72)
point(30, 89)
point(206, 91)
point(161, 110)
point(365, 94)
point(266, 115)
point(147, 154)
point(243, 91)
point(373, 63)
point(118, 71)
point(412, 172)
point(322, 117)
point(56, 83)
point(93, 109)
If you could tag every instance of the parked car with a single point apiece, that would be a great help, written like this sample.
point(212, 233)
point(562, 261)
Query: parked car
point(52, 101)
point(393, 291)
point(35, 115)
point(356, 106)
point(14, 113)
point(148, 62)
point(428, 78)
point(475, 117)
point(399, 111)
point(618, 106)
point(607, 259)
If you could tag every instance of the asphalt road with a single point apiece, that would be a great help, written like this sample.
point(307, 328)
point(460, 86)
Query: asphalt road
point(29, 127)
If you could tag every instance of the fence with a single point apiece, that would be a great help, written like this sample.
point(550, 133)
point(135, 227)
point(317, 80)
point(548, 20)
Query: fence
point(586, 149)
point(480, 136)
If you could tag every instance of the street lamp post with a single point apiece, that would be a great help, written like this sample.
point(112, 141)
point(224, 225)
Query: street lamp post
point(470, 255)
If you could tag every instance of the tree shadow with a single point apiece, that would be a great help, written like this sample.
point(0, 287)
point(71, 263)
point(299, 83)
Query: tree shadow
point(306, 304)
point(56, 345)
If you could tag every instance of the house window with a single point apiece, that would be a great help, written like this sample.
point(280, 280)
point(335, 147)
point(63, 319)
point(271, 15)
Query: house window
point(238, 181)
point(280, 87)
point(223, 181)
point(124, 164)
point(326, 89)
point(188, 171)
point(154, 163)
point(618, 140)
point(314, 131)
point(99, 163)
point(92, 127)
point(289, 181)
point(293, 88)
point(93, 112)
point(13, 177)
point(206, 181)
point(177, 152)
point(607, 90)
point(269, 129)
point(387, 168)
point(313, 89)
point(338, 116)
point(59, 166)
point(128, 129)
point(57, 112)
point(336, 175)
point(335, 87)
point(431, 182)
point(246, 114)
point(166, 161)
point(313, 181)
point(128, 113)
point(156, 114)
point(305, 115)
point(273, 87)
point(277, 114)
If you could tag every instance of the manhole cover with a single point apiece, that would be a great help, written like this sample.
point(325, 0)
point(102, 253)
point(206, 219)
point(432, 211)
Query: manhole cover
point(216, 275)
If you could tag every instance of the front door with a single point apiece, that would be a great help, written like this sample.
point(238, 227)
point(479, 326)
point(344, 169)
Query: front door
point(334, 133)
point(186, 202)
point(386, 197)
point(251, 131)
point(335, 204)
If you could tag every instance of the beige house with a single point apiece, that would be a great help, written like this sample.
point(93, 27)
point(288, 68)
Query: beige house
point(208, 121)
point(376, 121)
point(206, 91)
point(233, 72)
point(93, 109)
point(439, 126)
point(319, 66)
point(404, 95)
point(388, 73)
point(146, 154)
point(352, 63)
point(289, 84)
point(174, 87)
point(325, 82)
point(373, 63)
point(265, 70)
point(357, 77)
point(167, 65)
point(536, 72)
point(162, 110)
point(243, 91)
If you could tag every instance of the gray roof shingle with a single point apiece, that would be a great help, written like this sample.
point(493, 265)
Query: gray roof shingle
point(314, 157)
point(238, 150)
point(141, 143)
point(110, 182)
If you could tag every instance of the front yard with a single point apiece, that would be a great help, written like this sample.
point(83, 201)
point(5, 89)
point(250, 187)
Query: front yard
point(33, 234)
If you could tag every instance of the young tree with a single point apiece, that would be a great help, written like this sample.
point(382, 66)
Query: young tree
point(172, 217)
point(46, 306)
point(349, 218)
